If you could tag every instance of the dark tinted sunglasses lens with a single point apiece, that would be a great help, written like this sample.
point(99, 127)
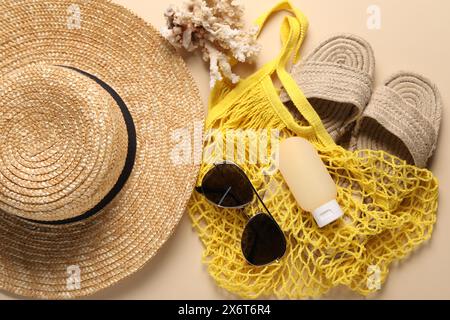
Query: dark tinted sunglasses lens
point(262, 241)
point(227, 186)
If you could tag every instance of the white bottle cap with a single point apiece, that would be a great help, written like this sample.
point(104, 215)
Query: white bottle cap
point(327, 213)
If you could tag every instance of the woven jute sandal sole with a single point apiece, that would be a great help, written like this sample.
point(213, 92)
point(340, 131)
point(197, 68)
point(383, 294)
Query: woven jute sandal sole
point(402, 118)
point(337, 79)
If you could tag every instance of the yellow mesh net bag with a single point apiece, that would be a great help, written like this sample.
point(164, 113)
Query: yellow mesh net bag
point(389, 206)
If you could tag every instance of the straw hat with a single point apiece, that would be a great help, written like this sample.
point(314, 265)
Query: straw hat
point(89, 189)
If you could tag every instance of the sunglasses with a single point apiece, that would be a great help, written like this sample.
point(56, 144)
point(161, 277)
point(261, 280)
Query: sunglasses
point(227, 186)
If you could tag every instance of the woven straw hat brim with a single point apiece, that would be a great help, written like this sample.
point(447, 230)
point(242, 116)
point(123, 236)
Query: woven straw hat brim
point(402, 118)
point(130, 56)
point(337, 78)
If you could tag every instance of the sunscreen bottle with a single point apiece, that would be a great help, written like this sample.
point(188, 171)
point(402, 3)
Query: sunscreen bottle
point(309, 180)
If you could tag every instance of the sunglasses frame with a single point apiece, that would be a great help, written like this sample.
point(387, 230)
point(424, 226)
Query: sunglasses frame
point(241, 207)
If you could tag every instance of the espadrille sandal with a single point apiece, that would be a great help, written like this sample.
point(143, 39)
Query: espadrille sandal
point(402, 118)
point(337, 79)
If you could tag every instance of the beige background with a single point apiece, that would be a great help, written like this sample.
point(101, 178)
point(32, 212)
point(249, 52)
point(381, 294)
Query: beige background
point(414, 36)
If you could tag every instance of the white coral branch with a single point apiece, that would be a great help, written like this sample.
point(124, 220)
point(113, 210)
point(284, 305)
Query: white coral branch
point(216, 29)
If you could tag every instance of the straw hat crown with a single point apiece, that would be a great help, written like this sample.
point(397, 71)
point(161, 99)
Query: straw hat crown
point(64, 143)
